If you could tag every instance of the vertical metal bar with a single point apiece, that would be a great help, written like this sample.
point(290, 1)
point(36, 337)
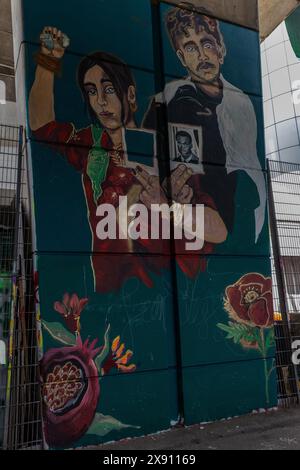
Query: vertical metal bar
point(165, 171)
point(12, 413)
point(280, 283)
point(18, 202)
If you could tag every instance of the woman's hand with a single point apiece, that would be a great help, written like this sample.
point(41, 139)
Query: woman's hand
point(180, 191)
point(53, 37)
point(152, 192)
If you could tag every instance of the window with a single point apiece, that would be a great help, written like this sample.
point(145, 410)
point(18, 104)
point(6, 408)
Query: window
point(276, 57)
point(280, 82)
point(271, 140)
point(287, 134)
point(266, 88)
point(291, 265)
point(283, 107)
point(268, 113)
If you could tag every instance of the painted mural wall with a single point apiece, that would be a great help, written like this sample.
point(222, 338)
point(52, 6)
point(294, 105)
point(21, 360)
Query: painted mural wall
point(137, 332)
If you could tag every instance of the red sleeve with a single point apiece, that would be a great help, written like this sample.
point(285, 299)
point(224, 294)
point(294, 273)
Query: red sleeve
point(67, 141)
point(200, 197)
point(193, 262)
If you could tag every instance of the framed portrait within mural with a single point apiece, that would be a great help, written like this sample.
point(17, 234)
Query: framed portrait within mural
point(186, 146)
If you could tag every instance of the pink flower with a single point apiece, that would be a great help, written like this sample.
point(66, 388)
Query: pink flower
point(70, 308)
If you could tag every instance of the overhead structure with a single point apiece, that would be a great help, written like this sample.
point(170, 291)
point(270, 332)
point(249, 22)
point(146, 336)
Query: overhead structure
point(242, 12)
point(263, 15)
point(272, 13)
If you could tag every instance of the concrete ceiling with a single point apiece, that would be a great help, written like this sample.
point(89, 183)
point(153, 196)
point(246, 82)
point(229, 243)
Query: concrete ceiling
point(265, 15)
point(242, 12)
point(273, 12)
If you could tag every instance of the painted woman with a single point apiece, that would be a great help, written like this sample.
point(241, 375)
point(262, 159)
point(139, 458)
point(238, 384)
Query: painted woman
point(97, 151)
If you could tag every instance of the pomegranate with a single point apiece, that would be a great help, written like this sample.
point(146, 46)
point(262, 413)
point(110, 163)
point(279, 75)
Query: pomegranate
point(70, 391)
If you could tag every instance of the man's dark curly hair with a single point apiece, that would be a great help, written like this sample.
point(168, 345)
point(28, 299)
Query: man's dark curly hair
point(180, 19)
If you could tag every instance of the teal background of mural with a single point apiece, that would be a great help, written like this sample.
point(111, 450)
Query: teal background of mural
point(220, 378)
point(144, 320)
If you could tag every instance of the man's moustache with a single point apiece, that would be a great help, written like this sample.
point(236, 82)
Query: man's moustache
point(205, 66)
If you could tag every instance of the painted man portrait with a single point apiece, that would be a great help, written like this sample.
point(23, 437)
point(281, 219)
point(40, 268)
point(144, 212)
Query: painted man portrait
point(184, 144)
point(226, 114)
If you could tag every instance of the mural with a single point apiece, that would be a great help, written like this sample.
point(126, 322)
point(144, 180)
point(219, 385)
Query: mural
point(70, 376)
point(131, 289)
point(98, 152)
point(205, 100)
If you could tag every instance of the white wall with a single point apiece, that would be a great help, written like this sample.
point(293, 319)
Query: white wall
point(19, 54)
point(280, 70)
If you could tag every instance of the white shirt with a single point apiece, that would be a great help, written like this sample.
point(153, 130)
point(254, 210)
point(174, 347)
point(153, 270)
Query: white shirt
point(238, 129)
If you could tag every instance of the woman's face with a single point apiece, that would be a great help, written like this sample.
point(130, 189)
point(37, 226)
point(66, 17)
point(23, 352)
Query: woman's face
point(103, 98)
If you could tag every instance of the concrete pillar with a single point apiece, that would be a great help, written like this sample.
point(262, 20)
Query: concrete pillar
point(7, 72)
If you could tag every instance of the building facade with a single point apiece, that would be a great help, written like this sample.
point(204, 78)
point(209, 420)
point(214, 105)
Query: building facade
point(281, 82)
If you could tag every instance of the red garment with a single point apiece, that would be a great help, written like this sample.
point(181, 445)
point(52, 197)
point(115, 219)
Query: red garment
point(115, 261)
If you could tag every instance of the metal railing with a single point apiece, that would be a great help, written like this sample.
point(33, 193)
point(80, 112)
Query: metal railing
point(284, 209)
point(20, 405)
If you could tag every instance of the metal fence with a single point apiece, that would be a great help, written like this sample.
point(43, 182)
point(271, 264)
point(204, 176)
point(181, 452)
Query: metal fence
point(284, 208)
point(20, 407)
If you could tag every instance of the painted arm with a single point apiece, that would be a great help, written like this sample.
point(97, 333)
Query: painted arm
point(215, 230)
point(41, 99)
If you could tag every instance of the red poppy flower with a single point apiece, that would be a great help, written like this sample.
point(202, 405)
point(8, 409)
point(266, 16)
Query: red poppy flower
point(70, 309)
point(250, 300)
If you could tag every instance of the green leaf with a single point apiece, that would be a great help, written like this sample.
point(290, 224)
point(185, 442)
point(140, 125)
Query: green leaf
point(258, 339)
point(98, 162)
point(59, 333)
point(238, 332)
point(270, 339)
point(105, 351)
point(103, 425)
point(223, 327)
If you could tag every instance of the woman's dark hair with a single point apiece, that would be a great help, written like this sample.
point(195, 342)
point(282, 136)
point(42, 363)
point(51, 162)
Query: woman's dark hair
point(118, 72)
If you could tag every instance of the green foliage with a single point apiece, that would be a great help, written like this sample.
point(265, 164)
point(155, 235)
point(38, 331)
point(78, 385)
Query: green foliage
point(105, 351)
point(270, 339)
point(98, 162)
point(238, 332)
point(250, 334)
point(59, 333)
point(103, 425)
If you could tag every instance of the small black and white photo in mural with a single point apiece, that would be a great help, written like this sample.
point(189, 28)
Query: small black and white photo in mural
point(186, 146)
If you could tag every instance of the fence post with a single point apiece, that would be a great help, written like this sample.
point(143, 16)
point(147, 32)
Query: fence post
point(287, 339)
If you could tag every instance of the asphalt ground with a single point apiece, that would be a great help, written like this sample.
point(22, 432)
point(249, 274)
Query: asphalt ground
point(277, 429)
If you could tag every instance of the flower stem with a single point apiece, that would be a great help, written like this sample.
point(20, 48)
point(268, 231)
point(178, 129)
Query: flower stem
point(264, 353)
